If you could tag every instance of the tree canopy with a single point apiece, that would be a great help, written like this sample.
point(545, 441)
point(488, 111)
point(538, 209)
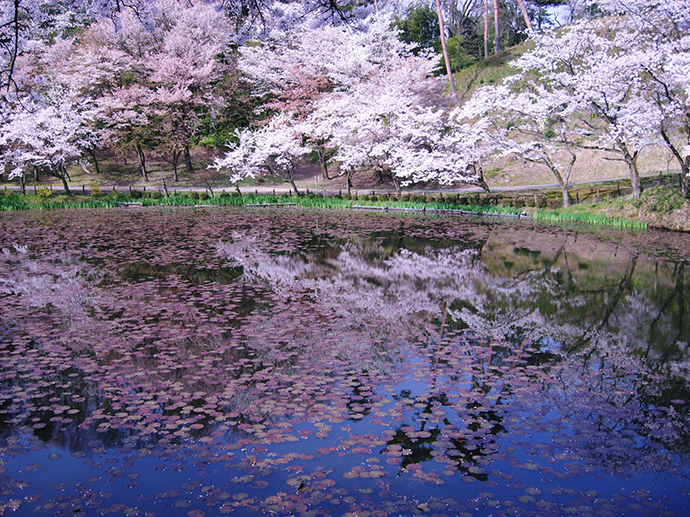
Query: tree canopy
point(348, 83)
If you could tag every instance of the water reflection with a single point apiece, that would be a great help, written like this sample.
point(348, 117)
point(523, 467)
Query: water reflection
point(312, 363)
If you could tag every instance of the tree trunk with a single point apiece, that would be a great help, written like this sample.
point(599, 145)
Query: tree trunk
point(564, 182)
point(323, 161)
point(349, 183)
point(22, 183)
point(683, 162)
point(486, 29)
point(92, 154)
point(565, 194)
point(237, 188)
point(398, 188)
point(442, 31)
point(631, 160)
point(37, 174)
point(497, 30)
point(294, 186)
point(528, 23)
point(481, 182)
point(188, 160)
point(62, 174)
point(379, 172)
point(175, 162)
point(142, 162)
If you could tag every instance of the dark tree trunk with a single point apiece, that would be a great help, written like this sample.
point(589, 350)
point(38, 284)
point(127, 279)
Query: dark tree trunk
point(62, 174)
point(175, 162)
point(481, 182)
point(142, 162)
point(398, 188)
point(92, 154)
point(22, 183)
point(323, 161)
point(188, 160)
point(379, 171)
point(684, 162)
point(291, 175)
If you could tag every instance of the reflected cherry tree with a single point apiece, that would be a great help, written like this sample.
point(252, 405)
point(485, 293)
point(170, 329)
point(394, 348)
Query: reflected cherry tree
point(284, 362)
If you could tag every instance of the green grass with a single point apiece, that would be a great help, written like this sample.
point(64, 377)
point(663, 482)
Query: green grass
point(35, 202)
point(588, 218)
point(578, 213)
point(487, 71)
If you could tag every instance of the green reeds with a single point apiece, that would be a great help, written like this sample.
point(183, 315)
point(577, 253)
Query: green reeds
point(588, 218)
point(14, 202)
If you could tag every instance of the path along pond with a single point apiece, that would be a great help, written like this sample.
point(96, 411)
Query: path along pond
point(190, 362)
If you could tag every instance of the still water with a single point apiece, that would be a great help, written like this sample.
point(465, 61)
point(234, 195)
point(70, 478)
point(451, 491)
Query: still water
point(191, 362)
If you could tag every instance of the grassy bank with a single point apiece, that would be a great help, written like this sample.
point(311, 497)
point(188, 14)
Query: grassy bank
point(658, 206)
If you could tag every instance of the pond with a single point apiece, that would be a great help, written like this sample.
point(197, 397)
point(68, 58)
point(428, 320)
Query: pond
point(207, 361)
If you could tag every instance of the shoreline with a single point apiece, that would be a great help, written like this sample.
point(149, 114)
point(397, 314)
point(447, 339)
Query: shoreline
point(606, 202)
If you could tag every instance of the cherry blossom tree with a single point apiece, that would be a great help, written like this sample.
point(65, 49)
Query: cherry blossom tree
point(341, 55)
point(601, 76)
point(242, 159)
point(529, 121)
point(185, 72)
point(125, 118)
point(278, 147)
point(360, 95)
point(663, 49)
point(161, 84)
point(454, 157)
point(274, 149)
point(24, 23)
point(44, 136)
point(367, 124)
